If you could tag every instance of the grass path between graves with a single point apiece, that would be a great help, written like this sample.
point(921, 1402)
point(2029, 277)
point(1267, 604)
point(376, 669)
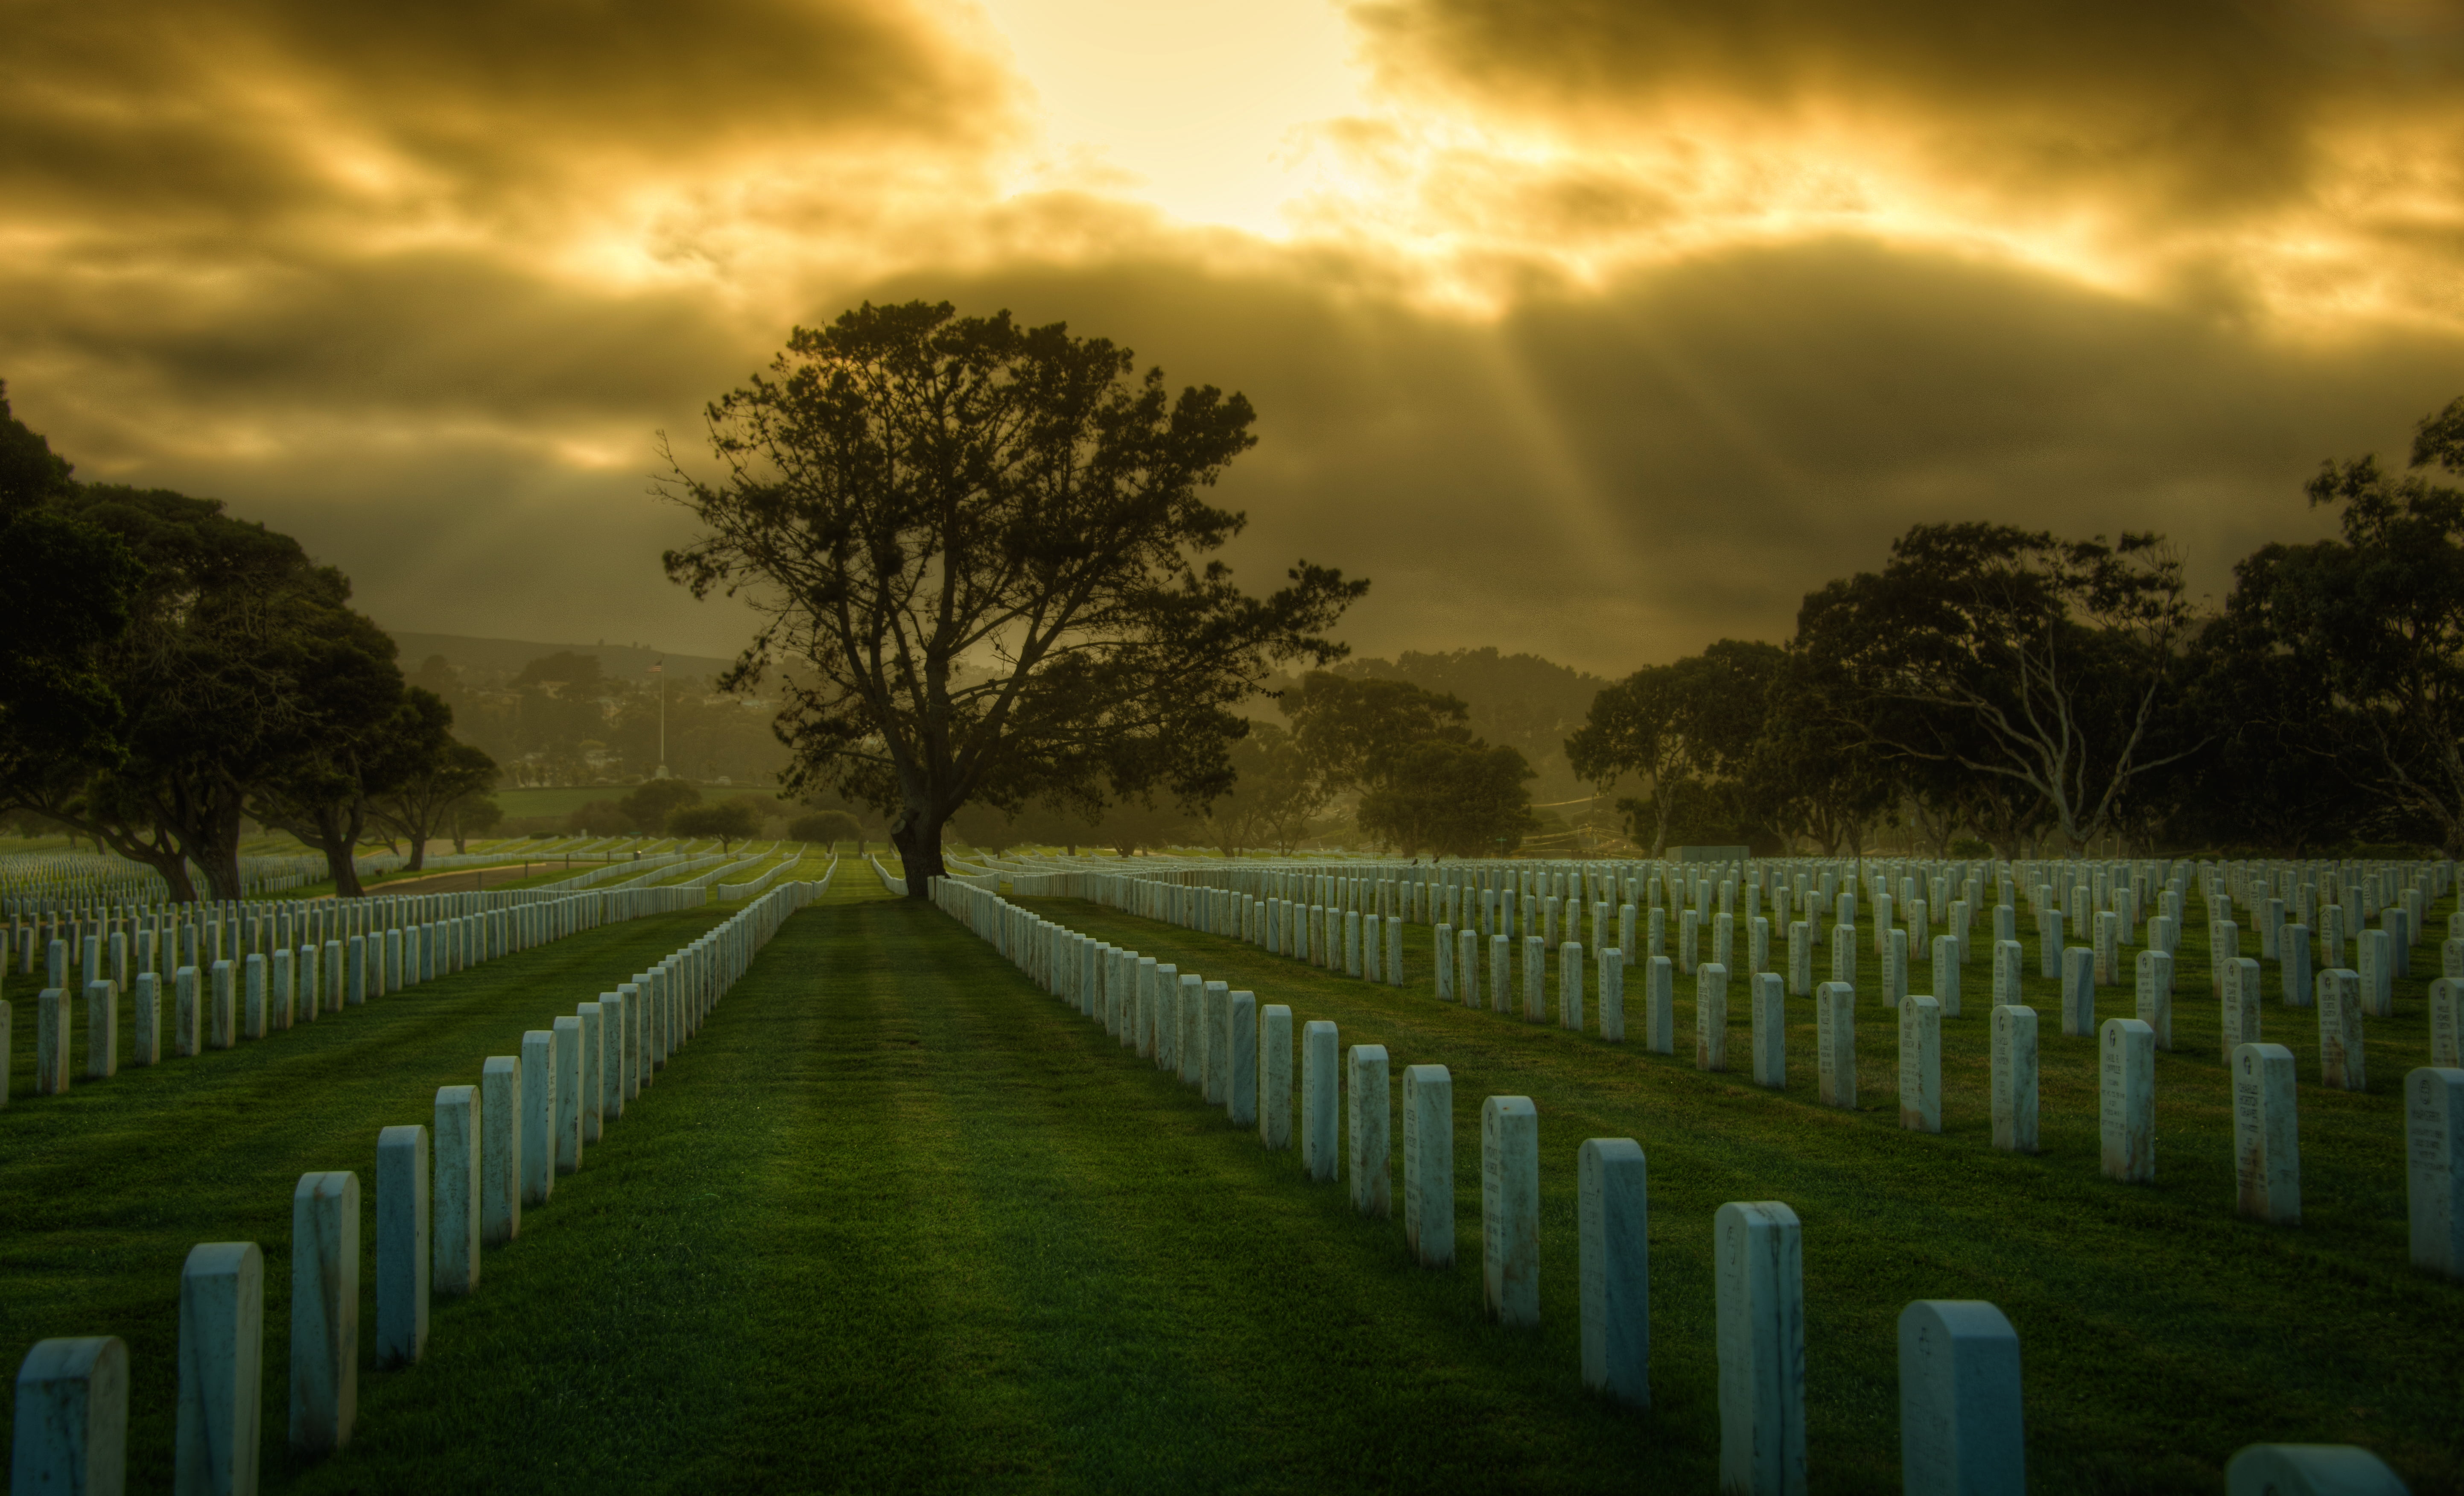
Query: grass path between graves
point(2159, 1331)
point(105, 1190)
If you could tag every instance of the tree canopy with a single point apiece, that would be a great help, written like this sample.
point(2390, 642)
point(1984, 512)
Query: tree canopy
point(981, 551)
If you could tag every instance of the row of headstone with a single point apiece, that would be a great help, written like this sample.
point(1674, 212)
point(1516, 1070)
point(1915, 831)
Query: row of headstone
point(442, 1196)
point(2266, 1147)
point(1961, 1425)
point(216, 1005)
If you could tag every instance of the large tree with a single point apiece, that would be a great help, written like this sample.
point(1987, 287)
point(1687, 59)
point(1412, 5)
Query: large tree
point(242, 656)
point(437, 791)
point(66, 592)
point(1688, 730)
point(980, 549)
point(2016, 655)
point(1450, 798)
point(1352, 732)
point(2375, 619)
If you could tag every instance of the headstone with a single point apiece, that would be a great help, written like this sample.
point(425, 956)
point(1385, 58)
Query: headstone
point(2007, 959)
point(403, 1241)
point(2015, 1078)
point(1189, 1044)
point(1711, 1016)
point(1613, 995)
point(1945, 973)
point(1535, 982)
point(2433, 1118)
point(1467, 966)
point(324, 1311)
point(2078, 991)
point(2154, 1005)
point(1275, 1075)
point(1444, 965)
point(1615, 1224)
point(2340, 1031)
point(1921, 1064)
point(55, 1040)
point(220, 1422)
point(1844, 954)
point(1215, 1042)
point(2378, 973)
point(2447, 1022)
point(594, 1070)
point(2126, 1101)
point(1660, 1000)
point(1771, 1031)
point(538, 1116)
point(566, 1123)
point(2267, 1148)
point(1240, 1061)
point(1510, 1209)
point(1371, 1131)
point(1961, 1432)
point(1800, 959)
point(1429, 1164)
point(453, 1258)
point(2241, 995)
point(2295, 966)
point(1834, 1044)
point(102, 1030)
point(1319, 1148)
point(2309, 1470)
point(1569, 986)
point(72, 1419)
point(501, 1150)
point(222, 1018)
point(1761, 1317)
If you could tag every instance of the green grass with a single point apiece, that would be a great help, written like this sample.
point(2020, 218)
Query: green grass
point(897, 1220)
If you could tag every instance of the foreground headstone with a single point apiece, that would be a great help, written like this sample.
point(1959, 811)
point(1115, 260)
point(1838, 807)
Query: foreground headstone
point(2267, 1148)
point(594, 1070)
point(1275, 1075)
point(1921, 1064)
point(1370, 1132)
point(222, 1354)
point(1319, 1148)
point(1510, 1209)
point(72, 1419)
point(2447, 1022)
point(2433, 1120)
point(2126, 1101)
point(500, 1149)
point(2015, 1078)
point(1615, 1222)
point(403, 1242)
point(1429, 1164)
point(453, 1261)
point(2309, 1470)
point(324, 1311)
point(538, 1116)
point(1758, 1263)
point(1834, 1044)
point(566, 1121)
point(1961, 1432)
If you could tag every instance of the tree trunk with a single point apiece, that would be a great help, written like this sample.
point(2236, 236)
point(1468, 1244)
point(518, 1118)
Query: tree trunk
point(917, 833)
point(419, 848)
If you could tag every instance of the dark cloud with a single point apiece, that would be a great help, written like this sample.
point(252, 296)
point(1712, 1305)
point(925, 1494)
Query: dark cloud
point(226, 117)
point(2188, 105)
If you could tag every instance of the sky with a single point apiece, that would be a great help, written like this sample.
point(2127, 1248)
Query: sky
point(1598, 328)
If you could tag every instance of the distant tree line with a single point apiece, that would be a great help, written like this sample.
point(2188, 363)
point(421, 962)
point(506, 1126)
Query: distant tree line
point(174, 672)
point(1993, 687)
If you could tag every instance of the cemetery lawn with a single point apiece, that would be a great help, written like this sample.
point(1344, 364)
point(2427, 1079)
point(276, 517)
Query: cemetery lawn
point(896, 1218)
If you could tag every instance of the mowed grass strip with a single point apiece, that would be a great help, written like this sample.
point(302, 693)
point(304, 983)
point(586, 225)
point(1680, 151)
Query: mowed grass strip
point(2159, 1331)
point(105, 1190)
point(895, 1219)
